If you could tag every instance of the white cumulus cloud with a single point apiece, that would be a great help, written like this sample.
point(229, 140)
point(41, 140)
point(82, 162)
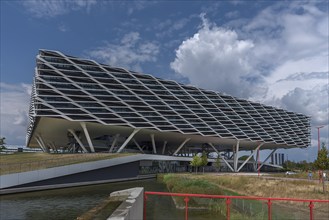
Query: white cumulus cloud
point(52, 8)
point(14, 106)
point(279, 57)
point(130, 53)
point(215, 58)
point(313, 102)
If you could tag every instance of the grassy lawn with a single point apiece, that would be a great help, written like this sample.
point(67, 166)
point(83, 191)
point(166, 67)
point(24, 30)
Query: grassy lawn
point(299, 175)
point(255, 186)
point(194, 184)
point(184, 184)
point(20, 162)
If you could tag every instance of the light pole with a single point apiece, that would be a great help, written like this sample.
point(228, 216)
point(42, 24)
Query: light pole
point(319, 127)
point(258, 162)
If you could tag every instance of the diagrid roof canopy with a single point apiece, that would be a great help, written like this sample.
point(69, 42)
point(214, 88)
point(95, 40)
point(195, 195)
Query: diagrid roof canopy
point(77, 89)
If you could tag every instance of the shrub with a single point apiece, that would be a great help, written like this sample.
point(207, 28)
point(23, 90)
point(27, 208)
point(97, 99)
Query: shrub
point(186, 185)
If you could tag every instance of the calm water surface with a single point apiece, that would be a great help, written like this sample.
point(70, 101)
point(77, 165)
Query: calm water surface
point(69, 203)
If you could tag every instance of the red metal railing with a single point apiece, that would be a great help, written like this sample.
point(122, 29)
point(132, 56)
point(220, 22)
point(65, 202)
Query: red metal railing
point(228, 201)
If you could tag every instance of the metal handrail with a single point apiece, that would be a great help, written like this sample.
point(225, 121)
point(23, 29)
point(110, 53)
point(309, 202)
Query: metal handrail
point(228, 201)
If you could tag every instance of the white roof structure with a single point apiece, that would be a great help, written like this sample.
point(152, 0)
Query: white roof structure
point(91, 100)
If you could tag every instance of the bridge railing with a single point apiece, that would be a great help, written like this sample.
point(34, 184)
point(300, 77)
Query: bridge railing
point(239, 201)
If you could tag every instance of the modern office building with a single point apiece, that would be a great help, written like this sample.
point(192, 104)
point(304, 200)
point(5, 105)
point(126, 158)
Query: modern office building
point(83, 106)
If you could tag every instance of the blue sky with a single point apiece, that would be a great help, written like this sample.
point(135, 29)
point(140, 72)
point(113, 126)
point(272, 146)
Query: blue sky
point(273, 52)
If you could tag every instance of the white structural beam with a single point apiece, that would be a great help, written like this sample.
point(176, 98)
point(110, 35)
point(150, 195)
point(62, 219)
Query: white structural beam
point(40, 144)
point(127, 140)
point(246, 161)
point(236, 156)
point(138, 146)
point(153, 144)
point(78, 140)
point(85, 130)
point(164, 147)
point(43, 143)
point(114, 142)
point(54, 146)
point(256, 160)
point(182, 145)
point(225, 161)
point(266, 159)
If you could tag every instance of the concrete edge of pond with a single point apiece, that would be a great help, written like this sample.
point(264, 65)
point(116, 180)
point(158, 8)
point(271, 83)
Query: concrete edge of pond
point(132, 207)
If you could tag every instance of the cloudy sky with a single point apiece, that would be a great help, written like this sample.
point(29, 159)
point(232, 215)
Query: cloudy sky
point(273, 52)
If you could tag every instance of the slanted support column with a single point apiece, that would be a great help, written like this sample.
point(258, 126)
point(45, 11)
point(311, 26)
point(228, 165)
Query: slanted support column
point(45, 148)
point(268, 157)
point(164, 147)
point(85, 130)
point(78, 140)
point(246, 161)
point(54, 147)
point(138, 146)
point(153, 144)
point(225, 161)
point(182, 145)
point(256, 160)
point(114, 142)
point(40, 144)
point(236, 156)
point(127, 140)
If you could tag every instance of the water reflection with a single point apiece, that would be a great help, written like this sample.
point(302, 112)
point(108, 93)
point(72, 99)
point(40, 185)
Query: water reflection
point(63, 203)
point(72, 202)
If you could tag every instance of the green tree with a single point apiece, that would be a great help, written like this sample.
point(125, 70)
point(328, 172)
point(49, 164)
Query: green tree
point(297, 166)
point(322, 162)
point(196, 162)
point(2, 143)
point(218, 163)
point(304, 165)
point(204, 160)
